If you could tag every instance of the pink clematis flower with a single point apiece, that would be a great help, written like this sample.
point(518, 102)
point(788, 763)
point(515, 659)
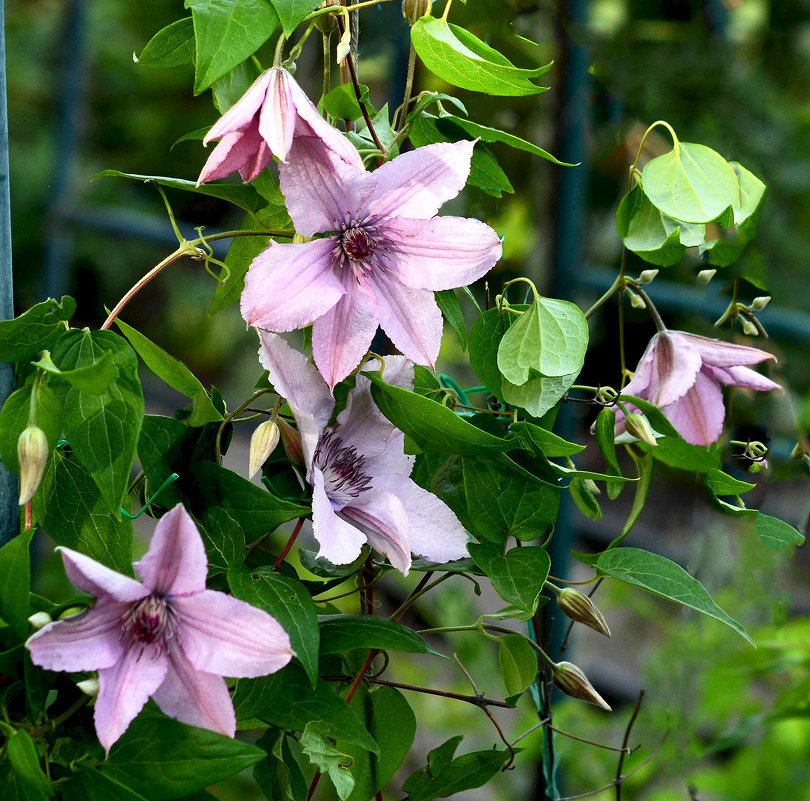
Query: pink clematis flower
point(387, 253)
point(262, 124)
point(168, 638)
point(359, 472)
point(681, 374)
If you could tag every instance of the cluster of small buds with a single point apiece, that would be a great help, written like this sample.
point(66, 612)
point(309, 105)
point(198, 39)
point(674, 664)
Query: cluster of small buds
point(32, 453)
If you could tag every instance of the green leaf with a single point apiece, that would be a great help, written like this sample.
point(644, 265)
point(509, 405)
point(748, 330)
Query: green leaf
point(72, 512)
point(656, 418)
point(14, 417)
point(543, 442)
point(776, 534)
point(228, 90)
point(315, 743)
point(341, 633)
point(227, 32)
point(660, 576)
point(15, 567)
point(676, 452)
point(174, 373)
point(538, 395)
point(549, 339)
point(286, 699)
point(162, 758)
point(341, 102)
point(485, 337)
point(691, 183)
point(585, 499)
point(88, 784)
point(605, 439)
point(451, 310)
point(93, 378)
point(461, 59)
point(170, 47)
point(35, 330)
point(279, 776)
point(517, 576)
point(292, 12)
point(102, 429)
point(30, 777)
point(286, 600)
point(720, 483)
point(242, 195)
point(518, 662)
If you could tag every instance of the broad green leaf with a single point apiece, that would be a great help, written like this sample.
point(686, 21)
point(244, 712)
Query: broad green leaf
point(341, 633)
point(451, 310)
point(720, 483)
point(292, 12)
point(535, 438)
point(461, 59)
point(676, 452)
point(228, 90)
point(776, 534)
point(174, 373)
point(752, 193)
point(35, 330)
point(585, 499)
point(691, 183)
point(518, 575)
point(30, 777)
point(604, 429)
point(102, 429)
point(162, 758)
point(72, 512)
point(286, 600)
point(170, 47)
point(548, 339)
point(538, 395)
point(279, 776)
point(518, 663)
point(89, 784)
point(341, 102)
point(286, 699)
point(660, 576)
point(485, 337)
point(242, 195)
point(226, 33)
point(93, 378)
point(14, 417)
point(656, 418)
point(573, 472)
point(315, 743)
point(15, 567)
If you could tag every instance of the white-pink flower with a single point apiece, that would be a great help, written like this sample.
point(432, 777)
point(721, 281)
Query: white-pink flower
point(386, 254)
point(263, 123)
point(681, 374)
point(168, 638)
point(359, 472)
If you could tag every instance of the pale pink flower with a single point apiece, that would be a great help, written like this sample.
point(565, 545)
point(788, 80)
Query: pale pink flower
point(168, 638)
point(681, 374)
point(359, 472)
point(262, 124)
point(386, 255)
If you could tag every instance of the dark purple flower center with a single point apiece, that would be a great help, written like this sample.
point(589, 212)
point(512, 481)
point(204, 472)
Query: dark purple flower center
point(342, 468)
point(151, 621)
point(357, 244)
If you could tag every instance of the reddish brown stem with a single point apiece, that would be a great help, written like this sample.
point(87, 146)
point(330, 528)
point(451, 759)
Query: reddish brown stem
point(290, 542)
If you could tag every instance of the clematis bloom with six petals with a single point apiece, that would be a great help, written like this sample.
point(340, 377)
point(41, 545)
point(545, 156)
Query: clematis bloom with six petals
point(682, 374)
point(168, 638)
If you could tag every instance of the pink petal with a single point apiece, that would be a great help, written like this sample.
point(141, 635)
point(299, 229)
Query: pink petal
point(244, 150)
point(175, 563)
point(123, 690)
point(666, 371)
point(340, 542)
point(87, 641)
point(223, 635)
point(416, 184)
point(717, 353)
point(441, 253)
point(380, 515)
point(277, 117)
point(698, 415)
point(288, 286)
point(297, 380)
point(741, 377)
point(435, 531)
point(240, 115)
point(194, 697)
point(322, 190)
point(342, 336)
point(96, 579)
point(397, 371)
point(410, 317)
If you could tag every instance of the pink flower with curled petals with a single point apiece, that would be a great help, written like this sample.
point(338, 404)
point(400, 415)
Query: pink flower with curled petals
point(681, 374)
point(387, 253)
point(263, 123)
point(168, 638)
point(358, 469)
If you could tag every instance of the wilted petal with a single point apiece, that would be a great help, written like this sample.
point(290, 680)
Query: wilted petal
point(741, 377)
point(340, 542)
point(717, 353)
point(415, 184)
point(698, 415)
point(123, 690)
point(175, 563)
point(97, 579)
point(441, 253)
point(87, 641)
point(240, 115)
point(223, 635)
point(195, 697)
point(290, 285)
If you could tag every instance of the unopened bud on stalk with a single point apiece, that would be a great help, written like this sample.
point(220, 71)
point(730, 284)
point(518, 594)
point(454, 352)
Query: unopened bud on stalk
point(647, 277)
point(758, 304)
point(637, 425)
point(88, 687)
point(262, 444)
point(591, 486)
point(748, 327)
point(291, 440)
point(635, 300)
point(758, 466)
point(704, 276)
point(39, 619)
point(344, 46)
point(581, 608)
point(413, 10)
point(568, 678)
point(32, 452)
point(327, 22)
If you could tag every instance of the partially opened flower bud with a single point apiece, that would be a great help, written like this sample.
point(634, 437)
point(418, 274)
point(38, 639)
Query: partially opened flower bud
point(581, 608)
point(262, 444)
point(291, 440)
point(704, 276)
point(39, 619)
point(32, 452)
point(413, 10)
point(637, 425)
point(569, 679)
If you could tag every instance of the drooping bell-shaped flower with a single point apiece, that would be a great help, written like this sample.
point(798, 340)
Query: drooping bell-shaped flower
point(263, 124)
point(681, 374)
point(168, 638)
point(358, 469)
point(387, 253)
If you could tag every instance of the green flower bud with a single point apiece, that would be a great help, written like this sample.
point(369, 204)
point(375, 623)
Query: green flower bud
point(39, 619)
point(262, 444)
point(704, 276)
point(70, 611)
point(581, 608)
point(32, 452)
point(647, 276)
point(569, 679)
point(748, 327)
point(635, 300)
point(326, 23)
point(291, 440)
point(758, 304)
point(637, 425)
point(413, 10)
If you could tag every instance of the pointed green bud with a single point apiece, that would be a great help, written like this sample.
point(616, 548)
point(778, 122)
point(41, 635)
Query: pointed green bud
point(291, 440)
point(327, 22)
point(40, 619)
point(88, 687)
point(758, 304)
point(704, 276)
point(262, 444)
point(758, 467)
point(798, 451)
point(581, 608)
point(413, 10)
point(591, 486)
point(647, 276)
point(637, 425)
point(748, 327)
point(635, 300)
point(32, 452)
point(568, 678)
